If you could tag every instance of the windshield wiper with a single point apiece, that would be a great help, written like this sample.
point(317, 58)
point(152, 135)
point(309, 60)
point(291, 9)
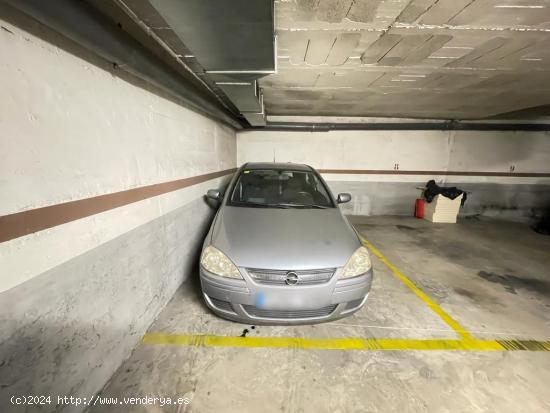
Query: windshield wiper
point(278, 205)
point(288, 205)
point(259, 205)
point(250, 204)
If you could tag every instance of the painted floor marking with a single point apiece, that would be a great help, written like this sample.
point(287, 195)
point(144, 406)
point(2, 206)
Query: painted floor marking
point(368, 344)
point(450, 321)
point(467, 342)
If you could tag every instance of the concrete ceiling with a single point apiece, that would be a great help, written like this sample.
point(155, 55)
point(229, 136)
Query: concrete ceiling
point(441, 59)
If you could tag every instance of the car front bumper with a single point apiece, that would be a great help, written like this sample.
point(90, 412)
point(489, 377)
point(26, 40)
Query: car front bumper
point(248, 301)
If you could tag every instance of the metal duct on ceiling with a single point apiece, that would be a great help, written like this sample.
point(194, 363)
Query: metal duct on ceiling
point(233, 40)
point(224, 35)
point(257, 119)
point(245, 95)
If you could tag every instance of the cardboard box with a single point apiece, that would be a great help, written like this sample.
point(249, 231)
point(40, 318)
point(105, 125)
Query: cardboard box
point(442, 209)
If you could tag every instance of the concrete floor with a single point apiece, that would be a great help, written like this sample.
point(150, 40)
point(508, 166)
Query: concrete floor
point(492, 277)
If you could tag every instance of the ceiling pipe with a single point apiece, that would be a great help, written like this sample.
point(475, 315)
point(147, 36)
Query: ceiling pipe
point(444, 125)
point(83, 24)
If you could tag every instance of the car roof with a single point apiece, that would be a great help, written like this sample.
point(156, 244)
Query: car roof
point(278, 165)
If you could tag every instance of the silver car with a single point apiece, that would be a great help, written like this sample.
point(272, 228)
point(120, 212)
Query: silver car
point(280, 251)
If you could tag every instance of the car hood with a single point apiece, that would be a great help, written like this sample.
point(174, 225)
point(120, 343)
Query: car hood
point(284, 239)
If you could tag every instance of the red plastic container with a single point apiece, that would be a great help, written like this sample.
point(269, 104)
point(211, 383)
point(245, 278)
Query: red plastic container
point(419, 208)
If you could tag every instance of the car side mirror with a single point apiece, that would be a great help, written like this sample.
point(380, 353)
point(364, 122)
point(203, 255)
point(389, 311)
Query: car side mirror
point(214, 194)
point(343, 198)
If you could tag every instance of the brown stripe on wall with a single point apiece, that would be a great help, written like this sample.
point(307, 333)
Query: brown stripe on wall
point(26, 222)
point(434, 173)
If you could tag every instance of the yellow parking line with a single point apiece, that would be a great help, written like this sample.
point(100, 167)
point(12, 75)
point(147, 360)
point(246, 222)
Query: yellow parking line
point(372, 344)
point(451, 322)
point(467, 342)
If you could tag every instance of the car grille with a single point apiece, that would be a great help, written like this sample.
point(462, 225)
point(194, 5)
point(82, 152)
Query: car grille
point(289, 314)
point(305, 277)
point(222, 305)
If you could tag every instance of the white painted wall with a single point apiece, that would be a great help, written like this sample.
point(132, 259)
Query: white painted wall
point(343, 150)
point(412, 150)
point(70, 130)
point(415, 150)
point(76, 299)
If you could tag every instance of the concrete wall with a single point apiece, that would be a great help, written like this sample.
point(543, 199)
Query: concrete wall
point(393, 193)
point(76, 298)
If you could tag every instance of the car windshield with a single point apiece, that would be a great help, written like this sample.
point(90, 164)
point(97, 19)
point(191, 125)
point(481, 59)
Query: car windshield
point(279, 188)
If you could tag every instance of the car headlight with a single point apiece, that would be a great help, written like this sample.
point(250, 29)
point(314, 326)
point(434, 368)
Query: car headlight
point(358, 264)
point(216, 262)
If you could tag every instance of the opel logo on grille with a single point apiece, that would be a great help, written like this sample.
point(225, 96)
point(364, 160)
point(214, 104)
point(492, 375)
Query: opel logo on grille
point(291, 278)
